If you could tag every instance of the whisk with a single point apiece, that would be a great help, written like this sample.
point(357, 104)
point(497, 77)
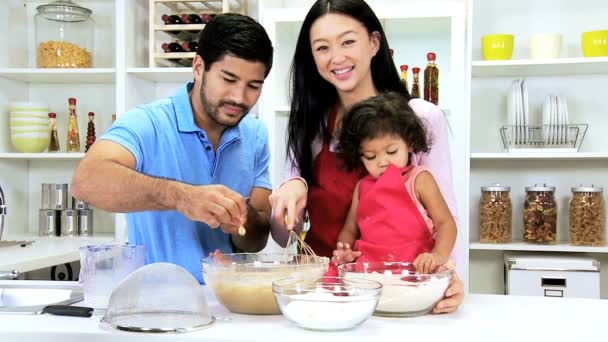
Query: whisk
point(302, 247)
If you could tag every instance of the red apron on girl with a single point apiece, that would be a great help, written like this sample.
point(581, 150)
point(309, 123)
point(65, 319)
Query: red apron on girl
point(391, 225)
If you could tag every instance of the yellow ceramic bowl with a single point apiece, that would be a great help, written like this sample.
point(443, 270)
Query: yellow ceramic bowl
point(497, 46)
point(595, 43)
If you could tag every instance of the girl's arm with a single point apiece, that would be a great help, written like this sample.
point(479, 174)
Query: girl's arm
point(349, 233)
point(430, 196)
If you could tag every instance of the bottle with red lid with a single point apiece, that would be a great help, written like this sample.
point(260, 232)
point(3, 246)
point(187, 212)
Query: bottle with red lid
point(90, 132)
point(416, 85)
point(54, 141)
point(431, 79)
point(73, 144)
point(403, 69)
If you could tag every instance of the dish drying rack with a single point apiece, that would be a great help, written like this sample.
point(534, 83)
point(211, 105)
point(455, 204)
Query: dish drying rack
point(543, 138)
point(160, 33)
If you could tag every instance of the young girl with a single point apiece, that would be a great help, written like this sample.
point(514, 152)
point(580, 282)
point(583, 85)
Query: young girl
point(398, 212)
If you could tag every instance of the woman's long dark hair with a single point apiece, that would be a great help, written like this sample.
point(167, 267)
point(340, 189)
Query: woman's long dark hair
point(312, 97)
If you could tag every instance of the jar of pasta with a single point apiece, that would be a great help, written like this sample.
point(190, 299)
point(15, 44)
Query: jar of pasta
point(540, 214)
point(495, 214)
point(587, 216)
point(64, 35)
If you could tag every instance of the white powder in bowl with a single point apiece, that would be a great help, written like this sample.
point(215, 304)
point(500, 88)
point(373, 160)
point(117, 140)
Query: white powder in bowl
point(402, 297)
point(325, 311)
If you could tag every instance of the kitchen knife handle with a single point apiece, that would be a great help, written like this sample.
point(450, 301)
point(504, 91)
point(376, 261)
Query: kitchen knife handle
point(68, 310)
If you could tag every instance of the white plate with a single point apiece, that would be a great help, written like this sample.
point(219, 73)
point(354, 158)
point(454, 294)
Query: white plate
point(520, 113)
point(546, 120)
point(510, 118)
point(515, 112)
point(524, 92)
point(560, 123)
point(566, 120)
point(553, 121)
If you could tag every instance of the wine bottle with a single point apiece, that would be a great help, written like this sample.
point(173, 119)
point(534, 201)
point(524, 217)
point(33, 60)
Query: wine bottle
point(172, 47)
point(190, 46)
point(171, 19)
point(192, 19)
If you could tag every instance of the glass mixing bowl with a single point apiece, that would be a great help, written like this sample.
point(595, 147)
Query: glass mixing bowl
point(327, 304)
point(404, 292)
point(242, 282)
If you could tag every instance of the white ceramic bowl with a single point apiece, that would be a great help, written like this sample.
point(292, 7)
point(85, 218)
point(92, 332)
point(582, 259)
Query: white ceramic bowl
point(545, 46)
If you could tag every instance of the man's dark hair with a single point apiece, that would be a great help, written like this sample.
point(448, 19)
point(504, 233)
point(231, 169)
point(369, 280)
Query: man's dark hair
point(237, 35)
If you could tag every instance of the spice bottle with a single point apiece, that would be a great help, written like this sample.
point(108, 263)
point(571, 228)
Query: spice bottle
point(431, 80)
point(416, 85)
point(73, 144)
point(404, 75)
point(54, 141)
point(495, 214)
point(540, 214)
point(587, 216)
point(90, 132)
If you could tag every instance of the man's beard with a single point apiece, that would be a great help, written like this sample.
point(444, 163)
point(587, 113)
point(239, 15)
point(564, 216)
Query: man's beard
point(212, 110)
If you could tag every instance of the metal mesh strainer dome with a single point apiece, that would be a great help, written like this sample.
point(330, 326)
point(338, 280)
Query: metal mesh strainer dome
point(158, 297)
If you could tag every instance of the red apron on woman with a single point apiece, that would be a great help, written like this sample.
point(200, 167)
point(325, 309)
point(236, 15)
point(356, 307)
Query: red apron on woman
point(329, 198)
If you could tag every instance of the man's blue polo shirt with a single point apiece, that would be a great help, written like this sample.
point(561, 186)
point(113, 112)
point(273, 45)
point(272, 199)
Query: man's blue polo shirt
point(166, 143)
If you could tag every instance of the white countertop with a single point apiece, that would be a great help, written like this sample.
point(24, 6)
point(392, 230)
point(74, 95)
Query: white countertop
point(45, 251)
point(481, 318)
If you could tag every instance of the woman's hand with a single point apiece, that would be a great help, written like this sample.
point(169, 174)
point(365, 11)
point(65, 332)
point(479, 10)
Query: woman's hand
point(453, 297)
point(288, 202)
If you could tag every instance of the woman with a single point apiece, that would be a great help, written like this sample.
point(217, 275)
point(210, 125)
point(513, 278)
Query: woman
point(342, 57)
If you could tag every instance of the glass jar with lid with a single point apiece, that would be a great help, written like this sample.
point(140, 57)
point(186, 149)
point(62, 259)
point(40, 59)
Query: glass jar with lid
point(540, 214)
point(495, 214)
point(587, 216)
point(64, 35)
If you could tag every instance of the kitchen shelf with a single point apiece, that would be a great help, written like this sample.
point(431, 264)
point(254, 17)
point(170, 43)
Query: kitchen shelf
point(538, 156)
point(55, 156)
point(35, 75)
point(45, 251)
point(523, 246)
point(536, 67)
point(162, 74)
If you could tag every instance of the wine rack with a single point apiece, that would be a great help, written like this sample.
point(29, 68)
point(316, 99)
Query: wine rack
point(180, 31)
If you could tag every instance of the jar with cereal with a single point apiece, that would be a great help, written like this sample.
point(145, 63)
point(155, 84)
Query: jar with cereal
point(64, 35)
point(540, 214)
point(587, 216)
point(495, 214)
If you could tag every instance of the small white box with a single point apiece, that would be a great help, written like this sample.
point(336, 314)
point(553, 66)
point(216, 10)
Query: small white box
point(552, 276)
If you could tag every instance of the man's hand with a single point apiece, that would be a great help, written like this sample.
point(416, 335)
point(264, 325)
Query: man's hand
point(215, 205)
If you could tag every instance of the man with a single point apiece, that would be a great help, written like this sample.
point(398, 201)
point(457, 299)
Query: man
point(182, 166)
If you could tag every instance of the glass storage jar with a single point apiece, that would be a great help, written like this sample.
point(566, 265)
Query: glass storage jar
point(540, 214)
point(587, 216)
point(64, 35)
point(495, 214)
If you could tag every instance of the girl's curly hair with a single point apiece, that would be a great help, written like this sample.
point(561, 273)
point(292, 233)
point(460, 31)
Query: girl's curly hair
point(386, 114)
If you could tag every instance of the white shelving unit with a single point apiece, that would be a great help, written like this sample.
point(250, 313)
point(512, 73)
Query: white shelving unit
point(581, 80)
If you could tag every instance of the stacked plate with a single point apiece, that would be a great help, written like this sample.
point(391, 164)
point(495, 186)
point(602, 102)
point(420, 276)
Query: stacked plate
point(29, 126)
point(555, 120)
point(519, 113)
